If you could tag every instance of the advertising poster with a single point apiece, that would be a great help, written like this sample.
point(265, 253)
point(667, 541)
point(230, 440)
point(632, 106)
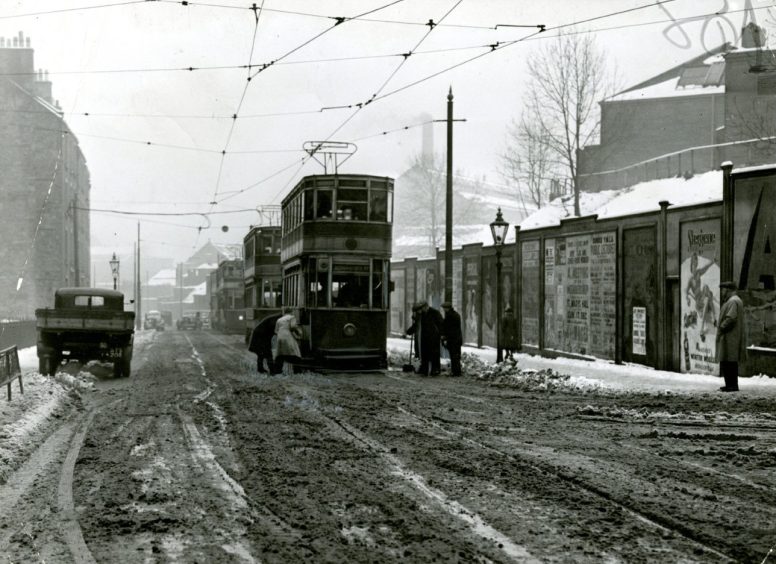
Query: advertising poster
point(489, 301)
point(603, 294)
point(639, 289)
point(471, 304)
point(530, 294)
point(457, 289)
point(578, 294)
point(398, 316)
point(699, 294)
point(640, 330)
point(550, 323)
point(754, 256)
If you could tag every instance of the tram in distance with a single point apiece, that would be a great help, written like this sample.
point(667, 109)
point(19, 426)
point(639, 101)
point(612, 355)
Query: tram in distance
point(335, 256)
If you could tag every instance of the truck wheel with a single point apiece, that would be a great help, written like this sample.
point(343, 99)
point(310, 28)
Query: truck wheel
point(126, 365)
point(48, 364)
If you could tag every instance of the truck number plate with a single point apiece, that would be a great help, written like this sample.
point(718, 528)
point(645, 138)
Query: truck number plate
point(114, 353)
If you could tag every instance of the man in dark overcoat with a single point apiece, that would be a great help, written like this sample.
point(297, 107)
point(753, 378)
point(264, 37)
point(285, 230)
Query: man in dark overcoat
point(731, 337)
point(260, 343)
point(428, 327)
point(452, 337)
point(508, 333)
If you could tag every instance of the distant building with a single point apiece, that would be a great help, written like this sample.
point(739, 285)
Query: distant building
point(191, 291)
point(719, 106)
point(44, 189)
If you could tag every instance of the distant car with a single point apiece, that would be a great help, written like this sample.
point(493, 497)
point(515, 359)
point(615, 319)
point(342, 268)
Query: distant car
point(153, 320)
point(189, 321)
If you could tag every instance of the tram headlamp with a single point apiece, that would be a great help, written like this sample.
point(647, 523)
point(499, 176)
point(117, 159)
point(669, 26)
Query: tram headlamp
point(349, 330)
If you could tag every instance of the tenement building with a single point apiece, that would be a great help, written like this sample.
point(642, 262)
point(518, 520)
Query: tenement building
point(44, 189)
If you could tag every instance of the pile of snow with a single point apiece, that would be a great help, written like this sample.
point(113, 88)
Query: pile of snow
point(509, 374)
point(639, 198)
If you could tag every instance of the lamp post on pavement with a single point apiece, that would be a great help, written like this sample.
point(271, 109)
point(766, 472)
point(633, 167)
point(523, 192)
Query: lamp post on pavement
point(498, 229)
point(114, 268)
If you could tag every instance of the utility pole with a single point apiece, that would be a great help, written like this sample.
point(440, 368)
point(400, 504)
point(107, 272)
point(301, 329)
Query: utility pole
point(74, 208)
point(138, 297)
point(449, 202)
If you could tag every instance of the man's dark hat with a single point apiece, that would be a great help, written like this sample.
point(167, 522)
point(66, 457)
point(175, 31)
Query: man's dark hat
point(416, 306)
point(447, 305)
point(729, 284)
point(509, 309)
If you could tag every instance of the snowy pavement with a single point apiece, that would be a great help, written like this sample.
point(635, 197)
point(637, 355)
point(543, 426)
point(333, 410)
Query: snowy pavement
point(623, 378)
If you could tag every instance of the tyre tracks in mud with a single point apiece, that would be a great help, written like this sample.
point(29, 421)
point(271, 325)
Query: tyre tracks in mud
point(560, 464)
point(549, 463)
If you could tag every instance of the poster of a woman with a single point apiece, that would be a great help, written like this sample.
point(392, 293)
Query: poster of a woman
point(699, 276)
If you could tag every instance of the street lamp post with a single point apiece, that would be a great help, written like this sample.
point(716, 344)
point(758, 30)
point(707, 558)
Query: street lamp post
point(498, 229)
point(114, 268)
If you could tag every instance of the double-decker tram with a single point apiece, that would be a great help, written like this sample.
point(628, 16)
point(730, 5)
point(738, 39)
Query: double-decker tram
point(261, 272)
point(335, 256)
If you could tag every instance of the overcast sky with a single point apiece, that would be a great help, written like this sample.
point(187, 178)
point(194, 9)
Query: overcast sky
point(119, 61)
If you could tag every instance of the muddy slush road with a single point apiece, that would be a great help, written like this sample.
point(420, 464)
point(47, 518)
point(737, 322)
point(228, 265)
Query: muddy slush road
point(196, 458)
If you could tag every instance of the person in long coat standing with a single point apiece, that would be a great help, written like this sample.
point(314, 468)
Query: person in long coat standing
point(731, 336)
point(428, 325)
point(287, 332)
point(261, 343)
point(509, 333)
point(452, 337)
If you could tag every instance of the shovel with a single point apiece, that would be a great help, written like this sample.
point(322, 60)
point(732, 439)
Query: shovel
point(409, 367)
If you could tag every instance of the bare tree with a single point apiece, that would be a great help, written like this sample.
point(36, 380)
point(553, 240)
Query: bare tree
point(421, 198)
point(568, 79)
point(526, 163)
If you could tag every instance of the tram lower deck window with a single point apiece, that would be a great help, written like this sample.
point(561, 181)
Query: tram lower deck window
point(350, 290)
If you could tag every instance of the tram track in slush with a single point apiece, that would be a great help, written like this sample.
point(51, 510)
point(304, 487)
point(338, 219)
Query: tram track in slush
point(658, 522)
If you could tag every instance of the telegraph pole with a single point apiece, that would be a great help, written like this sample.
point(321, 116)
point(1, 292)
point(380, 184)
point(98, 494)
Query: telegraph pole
point(449, 202)
point(138, 298)
point(76, 274)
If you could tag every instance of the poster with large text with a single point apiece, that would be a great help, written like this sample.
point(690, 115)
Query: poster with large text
point(530, 293)
point(603, 293)
point(699, 294)
point(754, 256)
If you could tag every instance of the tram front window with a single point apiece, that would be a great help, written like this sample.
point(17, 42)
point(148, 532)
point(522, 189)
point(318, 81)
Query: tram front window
point(323, 208)
point(350, 290)
point(379, 206)
point(351, 204)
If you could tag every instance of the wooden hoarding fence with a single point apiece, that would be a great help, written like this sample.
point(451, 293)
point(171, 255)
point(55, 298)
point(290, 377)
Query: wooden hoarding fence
point(9, 369)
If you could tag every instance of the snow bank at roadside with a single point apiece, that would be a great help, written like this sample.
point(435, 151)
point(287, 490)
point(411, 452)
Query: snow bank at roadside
point(24, 419)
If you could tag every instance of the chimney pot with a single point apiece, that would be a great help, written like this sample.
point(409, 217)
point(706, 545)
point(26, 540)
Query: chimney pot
point(2, 42)
point(15, 41)
point(27, 42)
point(752, 36)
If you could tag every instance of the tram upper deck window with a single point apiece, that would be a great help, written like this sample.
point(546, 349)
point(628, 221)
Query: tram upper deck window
point(323, 205)
point(380, 208)
point(352, 204)
point(309, 204)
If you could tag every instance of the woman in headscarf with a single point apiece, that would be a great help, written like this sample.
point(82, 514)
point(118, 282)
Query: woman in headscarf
point(287, 332)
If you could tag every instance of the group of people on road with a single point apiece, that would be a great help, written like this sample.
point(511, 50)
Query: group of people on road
point(430, 330)
point(275, 341)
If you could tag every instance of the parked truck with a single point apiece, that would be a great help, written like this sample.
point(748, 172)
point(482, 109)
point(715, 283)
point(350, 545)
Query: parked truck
point(85, 324)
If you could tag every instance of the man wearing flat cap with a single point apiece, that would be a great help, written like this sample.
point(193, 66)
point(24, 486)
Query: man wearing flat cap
point(731, 339)
point(452, 337)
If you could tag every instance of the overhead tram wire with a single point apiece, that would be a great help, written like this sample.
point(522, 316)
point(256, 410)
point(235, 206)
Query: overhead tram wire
point(257, 16)
point(360, 107)
point(76, 9)
point(250, 77)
